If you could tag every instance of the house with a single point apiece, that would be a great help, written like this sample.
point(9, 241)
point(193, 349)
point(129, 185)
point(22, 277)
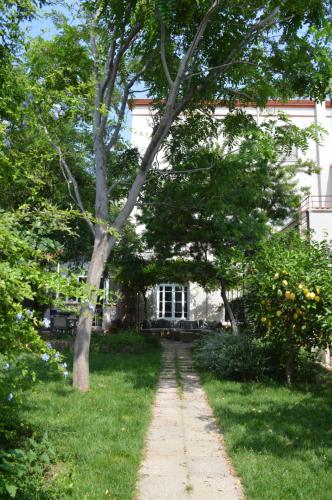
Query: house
point(174, 301)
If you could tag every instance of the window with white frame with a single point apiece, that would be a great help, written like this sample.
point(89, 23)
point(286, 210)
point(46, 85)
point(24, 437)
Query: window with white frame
point(172, 301)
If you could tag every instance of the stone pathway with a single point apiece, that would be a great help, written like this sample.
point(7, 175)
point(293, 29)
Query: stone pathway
point(185, 457)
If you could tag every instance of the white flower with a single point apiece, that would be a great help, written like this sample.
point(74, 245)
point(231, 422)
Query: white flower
point(56, 355)
point(65, 373)
point(6, 123)
point(19, 317)
point(45, 356)
point(64, 365)
point(29, 313)
point(6, 366)
point(91, 307)
point(10, 396)
point(46, 322)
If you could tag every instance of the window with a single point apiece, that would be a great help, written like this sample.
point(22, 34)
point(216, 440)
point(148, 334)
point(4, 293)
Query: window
point(172, 301)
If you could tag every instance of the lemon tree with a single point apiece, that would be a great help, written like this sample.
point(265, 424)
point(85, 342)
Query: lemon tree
point(290, 296)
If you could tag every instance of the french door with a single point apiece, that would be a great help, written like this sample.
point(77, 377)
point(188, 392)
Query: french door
point(172, 301)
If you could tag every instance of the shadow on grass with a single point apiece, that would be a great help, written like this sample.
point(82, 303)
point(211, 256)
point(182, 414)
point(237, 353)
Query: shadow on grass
point(138, 369)
point(274, 419)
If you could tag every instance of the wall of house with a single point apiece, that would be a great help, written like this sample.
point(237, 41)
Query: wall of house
point(202, 304)
point(320, 223)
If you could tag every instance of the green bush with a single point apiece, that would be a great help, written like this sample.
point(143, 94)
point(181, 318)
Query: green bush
point(236, 357)
point(22, 470)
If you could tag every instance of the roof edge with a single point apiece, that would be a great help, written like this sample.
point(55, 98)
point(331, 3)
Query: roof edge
point(293, 103)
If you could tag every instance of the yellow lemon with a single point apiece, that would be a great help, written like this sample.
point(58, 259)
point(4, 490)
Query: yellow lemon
point(285, 282)
point(317, 299)
point(298, 311)
point(292, 296)
point(305, 291)
point(288, 294)
point(308, 295)
point(317, 291)
point(300, 286)
point(263, 319)
point(295, 316)
point(278, 314)
point(276, 276)
point(312, 295)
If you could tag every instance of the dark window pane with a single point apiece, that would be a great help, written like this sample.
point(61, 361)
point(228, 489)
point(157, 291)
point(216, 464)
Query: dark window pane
point(178, 306)
point(168, 314)
point(168, 307)
point(168, 288)
point(160, 295)
point(178, 288)
point(160, 313)
point(168, 296)
point(185, 314)
point(178, 296)
point(178, 314)
point(161, 288)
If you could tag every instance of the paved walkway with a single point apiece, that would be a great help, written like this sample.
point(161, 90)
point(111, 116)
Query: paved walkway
point(185, 457)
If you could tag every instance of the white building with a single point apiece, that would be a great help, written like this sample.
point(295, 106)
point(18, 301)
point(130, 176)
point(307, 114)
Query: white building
point(173, 301)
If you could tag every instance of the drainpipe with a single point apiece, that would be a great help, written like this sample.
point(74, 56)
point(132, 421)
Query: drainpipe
point(319, 119)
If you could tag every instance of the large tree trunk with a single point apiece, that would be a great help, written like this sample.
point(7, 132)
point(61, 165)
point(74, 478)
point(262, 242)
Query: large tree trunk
point(83, 336)
point(228, 308)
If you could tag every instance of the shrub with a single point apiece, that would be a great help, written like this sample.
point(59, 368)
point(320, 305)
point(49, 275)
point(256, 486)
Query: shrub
point(238, 357)
point(22, 469)
point(290, 294)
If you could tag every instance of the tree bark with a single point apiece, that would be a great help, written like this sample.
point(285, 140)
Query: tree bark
point(228, 308)
point(83, 336)
point(289, 368)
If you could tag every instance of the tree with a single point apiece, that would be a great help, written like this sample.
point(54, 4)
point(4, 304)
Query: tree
point(186, 53)
point(290, 294)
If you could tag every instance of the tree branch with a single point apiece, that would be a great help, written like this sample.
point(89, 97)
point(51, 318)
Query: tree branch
point(113, 63)
point(124, 102)
point(163, 53)
point(70, 179)
point(220, 66)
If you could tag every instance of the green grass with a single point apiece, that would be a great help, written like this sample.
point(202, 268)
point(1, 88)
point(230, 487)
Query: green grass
point(279, 438)
point(99, 436)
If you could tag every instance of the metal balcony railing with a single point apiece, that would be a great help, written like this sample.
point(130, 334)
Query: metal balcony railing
point(309, 203)
point(316, 202)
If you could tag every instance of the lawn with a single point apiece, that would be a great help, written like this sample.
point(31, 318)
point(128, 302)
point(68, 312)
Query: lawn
point(98, 436)
point(279, 438)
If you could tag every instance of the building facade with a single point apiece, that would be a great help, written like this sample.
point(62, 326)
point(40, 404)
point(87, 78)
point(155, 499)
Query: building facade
point(174, 301)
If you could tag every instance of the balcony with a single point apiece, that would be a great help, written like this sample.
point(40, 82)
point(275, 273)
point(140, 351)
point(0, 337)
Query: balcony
point(315, 214)
point(316, 203)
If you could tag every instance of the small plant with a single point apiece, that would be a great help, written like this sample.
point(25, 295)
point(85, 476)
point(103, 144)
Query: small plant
point(22, 469)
